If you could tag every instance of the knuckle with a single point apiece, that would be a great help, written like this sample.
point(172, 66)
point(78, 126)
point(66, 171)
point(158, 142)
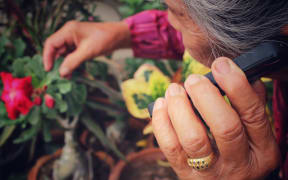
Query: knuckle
point(194, 144)
point(171, 150)
point(254, 113)
point(71, 24)
point(232, 133)
point(197, 92)
point(47, 42)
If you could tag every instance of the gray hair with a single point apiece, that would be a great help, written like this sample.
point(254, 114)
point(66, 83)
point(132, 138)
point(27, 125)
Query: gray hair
point(235, 26)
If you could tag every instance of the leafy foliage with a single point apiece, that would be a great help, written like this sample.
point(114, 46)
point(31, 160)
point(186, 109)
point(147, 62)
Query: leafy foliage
point(10, 49)
point(69, 97)
point(131, 7)
point(166, 66)
point(142, 100)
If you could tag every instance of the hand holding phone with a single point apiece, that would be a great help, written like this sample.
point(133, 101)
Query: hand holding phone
point(266, 58)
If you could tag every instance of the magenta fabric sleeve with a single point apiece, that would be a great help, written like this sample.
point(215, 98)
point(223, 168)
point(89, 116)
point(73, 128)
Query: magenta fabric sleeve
point(153, 37)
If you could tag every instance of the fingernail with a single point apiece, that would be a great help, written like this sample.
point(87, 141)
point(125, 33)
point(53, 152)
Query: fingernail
point(64, 71)
point(222, 66)
point(193, 79)
point(174, 89)
point(158, 104)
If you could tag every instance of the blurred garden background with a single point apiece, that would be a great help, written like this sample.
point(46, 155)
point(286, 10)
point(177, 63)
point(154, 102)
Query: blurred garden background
point(88, 126)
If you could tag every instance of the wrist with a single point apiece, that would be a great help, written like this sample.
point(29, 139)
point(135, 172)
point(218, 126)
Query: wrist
point(123, 36)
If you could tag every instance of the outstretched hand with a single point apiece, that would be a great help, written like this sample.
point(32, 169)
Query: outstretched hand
point(83, 40)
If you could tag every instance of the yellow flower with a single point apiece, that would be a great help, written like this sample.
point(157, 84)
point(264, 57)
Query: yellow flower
point(148, 84)
point(158, 83)
point(133, 87)
point(191, 66)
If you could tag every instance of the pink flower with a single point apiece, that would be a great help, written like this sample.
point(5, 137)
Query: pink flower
point(16, 95)
point(37, 101)
point(49, 101)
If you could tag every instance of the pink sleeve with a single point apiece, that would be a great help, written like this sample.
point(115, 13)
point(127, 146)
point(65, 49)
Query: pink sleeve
point(153, 37)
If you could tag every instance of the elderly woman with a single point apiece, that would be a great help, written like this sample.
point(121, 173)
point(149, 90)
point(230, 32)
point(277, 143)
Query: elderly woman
point(213, 32)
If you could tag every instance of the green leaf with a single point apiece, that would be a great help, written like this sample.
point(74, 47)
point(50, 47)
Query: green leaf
point(44, 109)
point(147, 75)
point(76, 98)
point(3, 41)
point(98, 69)
point(9, 122)
point(63, 107)
point(52, 89)
point(51, 114)
point(46, 132)
point(79, 93)
point(36, 83)
point(92, 126)
point(110, 110)
point(36, 67)
point(19, 66)
point(27, 135)
point(64, 86)
point(126, 10)
point(34, 116)
point(6, 133)
point(60, 103)
point(113, 94)
point(2, 109)
point(53, 75)
point(20, 46)
point(74, 108)
point(142, 100)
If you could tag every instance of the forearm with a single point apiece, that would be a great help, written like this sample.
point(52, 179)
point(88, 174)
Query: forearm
point(123, 37)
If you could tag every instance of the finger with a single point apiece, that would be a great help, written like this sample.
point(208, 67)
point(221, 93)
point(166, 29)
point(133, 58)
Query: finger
point(73, 60)
point(60, 52)
point(245, 100)
point(56, 41)
point(190, 131)
point(260, 90)
point(166, 136)
point(223, 121)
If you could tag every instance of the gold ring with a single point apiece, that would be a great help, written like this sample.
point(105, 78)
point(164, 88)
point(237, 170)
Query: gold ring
point(201, 163)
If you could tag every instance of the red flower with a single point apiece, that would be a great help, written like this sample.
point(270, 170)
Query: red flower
point(49, 101)
point(16, 95)
point(37, 101)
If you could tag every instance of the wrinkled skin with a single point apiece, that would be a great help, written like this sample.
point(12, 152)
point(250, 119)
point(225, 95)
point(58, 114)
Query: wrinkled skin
point(246, 146)
point(245, 143)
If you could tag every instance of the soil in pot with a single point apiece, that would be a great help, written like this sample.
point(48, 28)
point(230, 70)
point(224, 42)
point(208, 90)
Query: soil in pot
point(147, 171)
point(143, 165)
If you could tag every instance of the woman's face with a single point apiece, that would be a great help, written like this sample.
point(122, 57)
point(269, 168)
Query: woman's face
point(195, 41)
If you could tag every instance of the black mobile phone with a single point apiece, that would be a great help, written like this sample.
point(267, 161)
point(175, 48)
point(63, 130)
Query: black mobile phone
point(266, 58)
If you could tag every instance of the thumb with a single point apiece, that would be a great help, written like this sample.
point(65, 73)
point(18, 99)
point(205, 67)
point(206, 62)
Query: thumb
point(260, 90)
point(75, 59)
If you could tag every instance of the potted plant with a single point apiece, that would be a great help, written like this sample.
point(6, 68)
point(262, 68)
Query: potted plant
point(147, 164)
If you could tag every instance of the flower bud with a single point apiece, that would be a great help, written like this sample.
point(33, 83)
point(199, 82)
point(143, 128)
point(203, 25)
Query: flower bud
point(37, 101)
point(49, 101)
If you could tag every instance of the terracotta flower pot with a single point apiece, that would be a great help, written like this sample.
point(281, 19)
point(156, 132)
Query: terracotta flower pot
point(145, 162)
point(34, 172)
